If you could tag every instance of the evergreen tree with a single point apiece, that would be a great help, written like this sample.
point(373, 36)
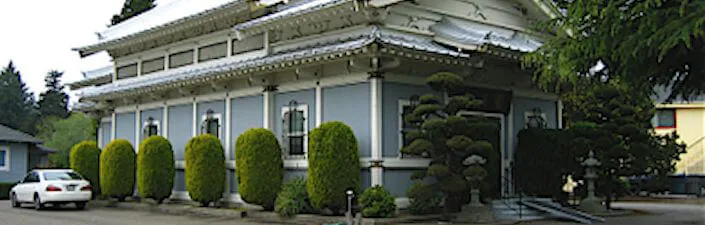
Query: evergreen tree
point(54, 101)
point(654, 42)
point(17, 106)
point(132, 8)
point(449, 140)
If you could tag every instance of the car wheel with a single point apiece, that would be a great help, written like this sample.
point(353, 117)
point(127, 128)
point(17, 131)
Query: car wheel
point(38, 203)
point(80, 205)
point(13, 201)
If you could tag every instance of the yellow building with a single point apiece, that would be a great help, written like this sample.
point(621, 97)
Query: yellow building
point(688, 119)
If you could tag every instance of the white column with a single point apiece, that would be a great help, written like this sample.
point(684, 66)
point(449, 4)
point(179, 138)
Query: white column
point(319, 105)
point(560, 114)
point(165, 118)
point(228, 149)
point(268, 108)
point(376, 171)
point(99, 139)
point(137, 128)
point(114, 71)
point(230, 45)
point(194, 122)
point(139, 68)
point(195, 54)
point(166, 61)
point(112, 127)
point(510, 150)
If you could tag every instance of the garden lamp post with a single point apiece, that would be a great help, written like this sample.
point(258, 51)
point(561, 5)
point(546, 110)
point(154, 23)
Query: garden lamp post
point(350, 193)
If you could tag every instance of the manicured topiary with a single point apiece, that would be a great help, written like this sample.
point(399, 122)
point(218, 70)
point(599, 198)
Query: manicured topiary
point(205, 169)
point(85, 160)
point(377, 202)
point(334, 165)
point(260, 169)
point(117, 169)
point(423, 199)
point(155, 168)
point(293, 199)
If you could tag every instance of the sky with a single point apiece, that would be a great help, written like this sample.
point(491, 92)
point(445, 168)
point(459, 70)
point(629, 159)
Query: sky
point(38, 35)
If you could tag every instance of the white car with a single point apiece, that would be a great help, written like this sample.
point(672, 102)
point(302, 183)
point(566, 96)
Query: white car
point(53, 186)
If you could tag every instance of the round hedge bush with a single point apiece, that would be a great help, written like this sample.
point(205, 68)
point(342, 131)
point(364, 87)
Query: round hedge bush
point(117, 169)
point(85, 160)
point(155, 168)
point(377, 202)
point(293, 199)
point(334, 165)
point(205, 169)
point(260, 169)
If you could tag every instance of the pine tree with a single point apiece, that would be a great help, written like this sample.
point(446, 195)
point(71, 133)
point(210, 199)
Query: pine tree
point(17, 106)
point(132, 8)
point(449, 140)
point(54, 101)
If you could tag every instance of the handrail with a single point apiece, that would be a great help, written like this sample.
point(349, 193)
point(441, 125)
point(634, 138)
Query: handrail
point(505, 199)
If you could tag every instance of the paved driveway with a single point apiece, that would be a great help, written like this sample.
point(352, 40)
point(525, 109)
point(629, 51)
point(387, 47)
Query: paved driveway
point(658, 214)
point(69, 216)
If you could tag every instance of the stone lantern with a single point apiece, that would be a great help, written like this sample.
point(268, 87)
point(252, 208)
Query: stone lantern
point(475, 212)
point(591, 203)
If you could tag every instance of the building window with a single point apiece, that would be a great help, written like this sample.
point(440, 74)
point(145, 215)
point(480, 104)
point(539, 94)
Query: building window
point(294, 128)
point(152, 65)
point(150, 127)
point(211, 123)
point(127, 71)
point(665, 118)
point(248, 44)
point(4, 159)
point(181, 59)
point(214, 51)
point(535, 119)
point(405, 108)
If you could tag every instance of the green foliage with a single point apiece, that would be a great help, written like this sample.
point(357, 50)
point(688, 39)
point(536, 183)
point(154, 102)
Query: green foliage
point(646, 43)
point(423, 199)
point(205, 169)
point(63, 134)
point(85, 160)
point(260, 168)
point(293, 199)
point(332, 145)
point(155, 168)
point(117, 169)
point(18, 111)
point(449, 139)
point(54, 101)
point(5, 190)
point(132, 8)
point(541, 162)
point(377, 202)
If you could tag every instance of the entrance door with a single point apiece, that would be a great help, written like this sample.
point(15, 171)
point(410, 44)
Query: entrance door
point(490, 127)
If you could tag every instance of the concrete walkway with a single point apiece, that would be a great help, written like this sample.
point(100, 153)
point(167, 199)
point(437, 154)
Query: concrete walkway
point(654, 214)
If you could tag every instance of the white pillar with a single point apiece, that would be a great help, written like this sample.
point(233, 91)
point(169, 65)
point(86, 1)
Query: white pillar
point(139, 68)
point(166, 61)
point(228, 149)
point(376, 170)
point(112, 127)
point(195, 54)
point(230, 45)
point(99, 139)
point(319, 105)
point(510, 150)
point(268, 107)
point(165, 118)
point(137, 128)
point(194, 122)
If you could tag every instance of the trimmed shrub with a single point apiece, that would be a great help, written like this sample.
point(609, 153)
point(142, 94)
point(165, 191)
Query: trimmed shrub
point(155, 168)
point(377, 202)
point(117, 169)
point(541, 162)
point(85, 160)
point(423, 199)
point(293, 199)
point(334, 165)
point(260, 169)
point(205, 169)
point(5, 190)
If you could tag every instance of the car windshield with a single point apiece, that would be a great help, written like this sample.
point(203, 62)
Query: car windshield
point(63, 175)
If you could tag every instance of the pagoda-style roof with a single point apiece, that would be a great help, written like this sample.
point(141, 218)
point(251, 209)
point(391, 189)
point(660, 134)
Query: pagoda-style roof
point(94, 77)
point(325, 48)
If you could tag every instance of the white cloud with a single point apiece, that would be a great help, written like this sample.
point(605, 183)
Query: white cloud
point(37, 35)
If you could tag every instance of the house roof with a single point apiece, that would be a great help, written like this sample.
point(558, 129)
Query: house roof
point(161, 16)
point(12, 135)
point(473, 36)
point(294, 10)
point(330, 46)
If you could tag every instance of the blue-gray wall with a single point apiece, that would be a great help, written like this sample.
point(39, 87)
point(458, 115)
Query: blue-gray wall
point(398, 182)
point(350, 104)
point(125, 127)
point(218, 107)
point(233, 181)
point(157, 114)
point(106, 128)
point(18, 162)
point(391, 94)
point(246, 113)
point(302, 97)
point(180, 128)
point(180, 180)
